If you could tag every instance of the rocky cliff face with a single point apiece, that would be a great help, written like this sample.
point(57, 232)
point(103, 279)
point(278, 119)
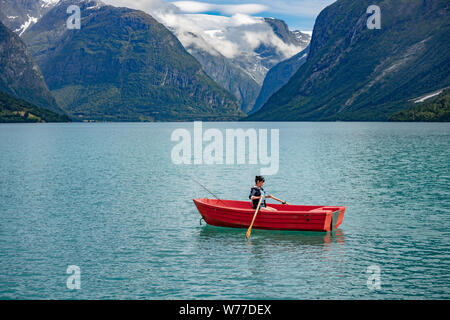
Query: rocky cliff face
point(281, 29)
point(278, 76)
point(20, 76)
point(354, 73)
point(122, 65)
point(228, 75)
point(19, 15)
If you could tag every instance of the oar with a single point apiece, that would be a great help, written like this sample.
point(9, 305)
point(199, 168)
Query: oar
point(249, 231)
point(279, 200)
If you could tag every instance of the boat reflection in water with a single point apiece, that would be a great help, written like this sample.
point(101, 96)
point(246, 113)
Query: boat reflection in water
point(254, 263)
point(296, 238)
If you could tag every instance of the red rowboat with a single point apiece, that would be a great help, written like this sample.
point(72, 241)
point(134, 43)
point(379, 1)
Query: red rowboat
point(239, 214)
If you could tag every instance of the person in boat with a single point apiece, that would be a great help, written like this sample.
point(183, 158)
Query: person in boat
point(257, 192)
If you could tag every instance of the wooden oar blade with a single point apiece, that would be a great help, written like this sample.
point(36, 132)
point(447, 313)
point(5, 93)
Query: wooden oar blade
point(249, 231)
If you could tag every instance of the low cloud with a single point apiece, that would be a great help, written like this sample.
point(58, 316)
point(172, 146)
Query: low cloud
point(232, 36)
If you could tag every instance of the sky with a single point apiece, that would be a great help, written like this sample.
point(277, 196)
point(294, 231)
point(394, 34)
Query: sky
point(298, 14)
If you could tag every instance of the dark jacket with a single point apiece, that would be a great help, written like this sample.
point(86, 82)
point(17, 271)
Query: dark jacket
point(256, 192)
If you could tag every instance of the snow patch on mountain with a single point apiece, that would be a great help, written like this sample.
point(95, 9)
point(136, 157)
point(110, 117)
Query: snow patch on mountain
point(49, 3)
point(428, 96)
point(26, 25)
point(21, 15)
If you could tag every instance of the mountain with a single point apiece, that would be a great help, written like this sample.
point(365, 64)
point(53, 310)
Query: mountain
point(281, 29)
point(20, 76)
point(17, 110)
point(236, 52)
point(436, 108)
point(227, 74)
point(278, 76)
point(123, 65)
point(269, 54)
point(353, 73)
point(19, 15)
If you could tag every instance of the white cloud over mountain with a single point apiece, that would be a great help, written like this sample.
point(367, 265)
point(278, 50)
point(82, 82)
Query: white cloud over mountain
point(231, 36)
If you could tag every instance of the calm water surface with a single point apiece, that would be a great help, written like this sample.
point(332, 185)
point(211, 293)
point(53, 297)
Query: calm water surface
point(107, 198)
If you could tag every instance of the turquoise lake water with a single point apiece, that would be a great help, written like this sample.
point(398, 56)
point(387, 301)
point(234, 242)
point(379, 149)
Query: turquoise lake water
point(107, 198)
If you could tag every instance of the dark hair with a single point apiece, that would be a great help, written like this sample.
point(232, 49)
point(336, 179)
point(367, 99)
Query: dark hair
point(259, 178)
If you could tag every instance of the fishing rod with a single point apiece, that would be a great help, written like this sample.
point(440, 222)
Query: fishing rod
point(201, 185)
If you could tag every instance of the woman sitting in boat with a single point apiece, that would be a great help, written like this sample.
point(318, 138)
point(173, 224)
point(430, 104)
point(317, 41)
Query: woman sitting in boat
point(257, 192)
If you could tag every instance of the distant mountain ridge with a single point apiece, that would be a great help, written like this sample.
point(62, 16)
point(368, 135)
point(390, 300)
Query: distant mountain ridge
point(242, 75)
point(123, 65)
point(295, 37)
point(353, 73)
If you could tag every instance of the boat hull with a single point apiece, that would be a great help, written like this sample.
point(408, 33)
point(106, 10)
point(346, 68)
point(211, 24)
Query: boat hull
point(239, 214)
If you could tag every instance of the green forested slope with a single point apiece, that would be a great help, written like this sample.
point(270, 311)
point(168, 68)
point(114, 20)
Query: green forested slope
point(353, 73)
